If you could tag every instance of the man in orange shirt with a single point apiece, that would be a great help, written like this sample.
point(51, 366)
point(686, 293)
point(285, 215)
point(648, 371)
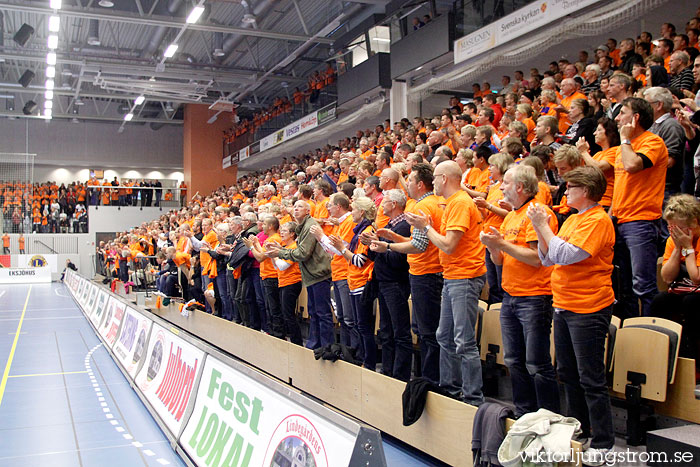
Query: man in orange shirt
point(638, 194)
point(526, 312)
point(209, 242)
point(462, 257)
point(6, 244)
point(568, 93)
point(425, 270)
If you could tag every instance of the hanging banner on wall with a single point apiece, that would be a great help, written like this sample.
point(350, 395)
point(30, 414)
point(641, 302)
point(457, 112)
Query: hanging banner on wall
point(24, 275)
point(130, 348)
point(254, 425)
point(168, 375)
point(38, 261)
point(510, 27)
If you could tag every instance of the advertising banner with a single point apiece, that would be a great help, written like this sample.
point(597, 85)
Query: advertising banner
point(89, 308)
point(85, 292)
point(100, 309)
point(168, 375)
point(227, 162)
point(510, 27)
point(326, 114)
point(25, 275)
point(267, 142)
point(244, 153)
point(130, 348)
point(112, 320)
point(254, 425)
point(38, 261)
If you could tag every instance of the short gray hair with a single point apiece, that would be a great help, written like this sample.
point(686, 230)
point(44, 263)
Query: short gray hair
point(250, 217)
point(525, 175)
point(659, 94)
point(396, 196)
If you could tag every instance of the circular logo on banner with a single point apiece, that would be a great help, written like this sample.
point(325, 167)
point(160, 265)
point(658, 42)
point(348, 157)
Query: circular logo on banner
point(140, 344)
point(38, 261)
point(296, 443)
point(155, 360)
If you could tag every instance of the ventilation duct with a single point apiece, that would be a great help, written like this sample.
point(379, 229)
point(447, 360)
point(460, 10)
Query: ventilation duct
point(218, 44)
point(174, 6)
point(93, 33)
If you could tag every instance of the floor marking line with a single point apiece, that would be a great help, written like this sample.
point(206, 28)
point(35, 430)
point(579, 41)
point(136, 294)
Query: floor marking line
point(6, 373)
point(48, 374)
point(42, 319)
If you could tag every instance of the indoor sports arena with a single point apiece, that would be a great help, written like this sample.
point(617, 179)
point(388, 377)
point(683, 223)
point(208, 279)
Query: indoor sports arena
point(327, 233)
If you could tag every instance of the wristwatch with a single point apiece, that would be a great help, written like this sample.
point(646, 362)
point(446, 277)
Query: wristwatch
point(625, 141)
point(686, 252)
point(388, 247)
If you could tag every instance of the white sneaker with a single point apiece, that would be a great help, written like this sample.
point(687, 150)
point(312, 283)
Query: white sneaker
point(594, 457)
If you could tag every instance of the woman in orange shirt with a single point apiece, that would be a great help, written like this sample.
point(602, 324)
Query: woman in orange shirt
point(523, 114)
point(289, 279)
point(493, 215)
point(608, 138)
point(582, 255)
point(360, 269)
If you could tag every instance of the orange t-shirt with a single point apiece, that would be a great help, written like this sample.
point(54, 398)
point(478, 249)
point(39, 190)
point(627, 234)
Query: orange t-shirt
point(670, 246)
point(608, 156)
point(382, 219)
point(267, 269)
point(491, 219)
point(544, 195)
point(342, 178)
point(520, 279)
point(358, 277)
point(339, 265)
point(21, 243)
point(427, 262)
point(530, 124)
point(639, 196)
point(586, 286)
point(564, 122)
point(208, 263)
point(292, 274)
point(6, 241)
point(468, 258)
point(321, 212)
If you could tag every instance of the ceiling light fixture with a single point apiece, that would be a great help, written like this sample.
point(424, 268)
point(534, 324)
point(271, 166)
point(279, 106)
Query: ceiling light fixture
point(51, 58)
point(248, 18)
point(53, 42)
point(48, 104)
point(128, 117)
point(106, 3)
point(195, 14)
point(170, 51)
point(55, 4)
point(50, 71)
point(49, 84)
point(48, 113)
point(78, 101)
point(54, 23)
point(139, 100)
point(48, 95)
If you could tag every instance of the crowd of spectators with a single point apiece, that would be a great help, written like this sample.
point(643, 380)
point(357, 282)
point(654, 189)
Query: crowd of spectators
point(539, 190)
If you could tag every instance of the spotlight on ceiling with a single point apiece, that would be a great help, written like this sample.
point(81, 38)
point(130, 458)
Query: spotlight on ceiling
point(78, 101)
point(248, 18)
point(23, 34)
point(29, 108)
point(26, 78)
point(106, 3)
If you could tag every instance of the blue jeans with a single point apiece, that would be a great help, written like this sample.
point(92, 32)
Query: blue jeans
point(493, 276)
point(365, 328)
point(579, 341)
point(636, 253)
point(460, 363)
point(256, 301)
point(525, 325)
point(426, 292)
point(221, 284)
point(395, 330)
point(320, 318)
point(343, 307)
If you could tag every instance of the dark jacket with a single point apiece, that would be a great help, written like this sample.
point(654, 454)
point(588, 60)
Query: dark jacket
point(392, 266)
point(585, 128)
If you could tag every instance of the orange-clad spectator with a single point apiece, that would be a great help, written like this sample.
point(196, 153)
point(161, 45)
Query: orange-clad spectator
point(168, 195)
point(640, 173)
point(360, 269)
point(582, 254)
point(6, 244)
point(183, 193)
point(462, 258)
point(608, 138)
point(493, 214)
point(289, 280)
point(478, 180)
point(526, 312)
point(329, 75)
point(614, 51)
point(343, 225)
point(548, 101)
point(21, 244)
point(105, 193)
point(476, 90)
point(569, 93)
point(322, 190)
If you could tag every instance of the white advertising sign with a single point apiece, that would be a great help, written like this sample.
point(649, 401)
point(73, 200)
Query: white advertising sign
point(130, 348)
point(25, 275)
point(84, 294)
point(91, 301)
point(227, 162)
point(514, 25)
point(99, 312)
point(168, 375)
point(111, 322)
point(244, 153)
point(254, 425)
point(37, 261)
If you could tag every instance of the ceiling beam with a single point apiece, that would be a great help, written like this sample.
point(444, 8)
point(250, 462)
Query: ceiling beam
point(96, 118)
point(18, 89)
point(122, 17)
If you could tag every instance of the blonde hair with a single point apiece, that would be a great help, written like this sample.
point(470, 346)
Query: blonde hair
point(367, 206)
point(468, 156)
point(682, 208)
point(569, 154)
